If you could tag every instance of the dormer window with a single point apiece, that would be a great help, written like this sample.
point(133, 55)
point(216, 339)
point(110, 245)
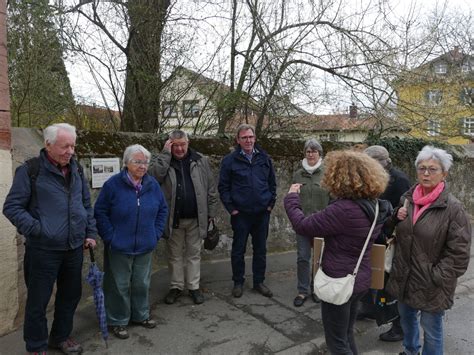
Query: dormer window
point(441, 68)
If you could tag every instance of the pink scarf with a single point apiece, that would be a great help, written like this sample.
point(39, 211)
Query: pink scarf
point(421, 203)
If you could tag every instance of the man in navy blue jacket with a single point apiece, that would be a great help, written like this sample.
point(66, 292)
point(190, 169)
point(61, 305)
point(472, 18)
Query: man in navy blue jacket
point(247, 187)
point(51, 208)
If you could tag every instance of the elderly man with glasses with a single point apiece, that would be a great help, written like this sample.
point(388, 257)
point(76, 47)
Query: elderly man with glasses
point(247, 188)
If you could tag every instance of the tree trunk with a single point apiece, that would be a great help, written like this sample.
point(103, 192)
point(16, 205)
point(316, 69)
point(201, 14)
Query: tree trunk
point(141, 108)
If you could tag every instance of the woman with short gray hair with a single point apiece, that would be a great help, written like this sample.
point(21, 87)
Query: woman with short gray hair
point(432, 250)
point(313, 198)
point(131, 214)
point(132, 150)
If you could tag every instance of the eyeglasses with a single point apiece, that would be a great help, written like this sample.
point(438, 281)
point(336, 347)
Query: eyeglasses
point(312, 152)
point(139, 162)
point(430, 170)
point(246, 138)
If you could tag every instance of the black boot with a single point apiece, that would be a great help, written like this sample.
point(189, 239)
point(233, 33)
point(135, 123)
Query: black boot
point(395, 333)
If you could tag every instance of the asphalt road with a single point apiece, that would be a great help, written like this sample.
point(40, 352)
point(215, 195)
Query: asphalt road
point(252, 324)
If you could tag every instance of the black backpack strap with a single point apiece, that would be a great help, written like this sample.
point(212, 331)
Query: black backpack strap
point(33, 165)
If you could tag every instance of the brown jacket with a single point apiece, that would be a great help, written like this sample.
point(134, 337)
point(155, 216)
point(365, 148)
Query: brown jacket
point(431, 255)
point(203, 182)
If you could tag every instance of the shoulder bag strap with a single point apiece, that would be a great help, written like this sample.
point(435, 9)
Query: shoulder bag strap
point(368, 237)
point(365, 244)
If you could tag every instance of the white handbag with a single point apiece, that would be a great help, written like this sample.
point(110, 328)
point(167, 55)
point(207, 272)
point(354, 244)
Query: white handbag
point(338, 290)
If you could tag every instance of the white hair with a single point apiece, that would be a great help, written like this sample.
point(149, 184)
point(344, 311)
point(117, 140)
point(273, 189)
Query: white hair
point(50, 133)
point(132, 149)
point(440, 155)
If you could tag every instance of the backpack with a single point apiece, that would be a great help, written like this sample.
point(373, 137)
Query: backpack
point(33, 165)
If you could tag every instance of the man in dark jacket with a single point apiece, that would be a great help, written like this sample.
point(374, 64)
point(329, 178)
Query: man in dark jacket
point(397, 186)
point(189, 187)
point(52, 210)
point(247, 187)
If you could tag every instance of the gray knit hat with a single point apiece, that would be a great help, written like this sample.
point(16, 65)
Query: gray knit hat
point(380, 154)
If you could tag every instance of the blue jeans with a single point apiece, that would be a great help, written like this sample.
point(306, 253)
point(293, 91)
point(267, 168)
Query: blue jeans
point(42, 268)
point(256, 225)
point(303, 259)
point(126, 287)
point(432, 324)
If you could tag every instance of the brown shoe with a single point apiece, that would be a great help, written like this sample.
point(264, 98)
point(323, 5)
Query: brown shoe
point(263, 290)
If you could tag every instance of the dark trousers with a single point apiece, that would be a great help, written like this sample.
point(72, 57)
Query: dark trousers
point(42, 269)
point(256, 225)
point(338, 322)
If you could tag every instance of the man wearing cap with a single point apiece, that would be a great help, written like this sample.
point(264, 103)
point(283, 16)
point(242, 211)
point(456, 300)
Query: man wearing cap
point(397, 186)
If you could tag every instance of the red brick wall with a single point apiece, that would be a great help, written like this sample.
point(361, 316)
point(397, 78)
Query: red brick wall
point(5, 132)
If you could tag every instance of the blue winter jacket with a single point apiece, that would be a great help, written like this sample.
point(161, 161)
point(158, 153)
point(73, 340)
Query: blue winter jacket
point(247, 187)
point(129, 222)
point(60, 217)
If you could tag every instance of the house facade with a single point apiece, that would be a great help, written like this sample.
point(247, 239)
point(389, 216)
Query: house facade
point(437, 99)
point(194, 103)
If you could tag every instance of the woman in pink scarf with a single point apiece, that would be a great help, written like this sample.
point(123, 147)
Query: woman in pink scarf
point(432, 251)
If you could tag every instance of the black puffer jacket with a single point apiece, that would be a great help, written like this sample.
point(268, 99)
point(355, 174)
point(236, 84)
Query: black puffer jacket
point(431, 255)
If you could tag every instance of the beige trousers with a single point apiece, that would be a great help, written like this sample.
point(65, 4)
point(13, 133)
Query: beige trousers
point(184, 255)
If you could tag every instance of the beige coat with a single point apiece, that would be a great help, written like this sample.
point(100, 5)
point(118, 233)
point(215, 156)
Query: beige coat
point(203, 182)
point(431, 255)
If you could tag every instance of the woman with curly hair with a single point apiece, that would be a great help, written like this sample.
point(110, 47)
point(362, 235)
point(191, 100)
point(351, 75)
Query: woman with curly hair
point(354, 181)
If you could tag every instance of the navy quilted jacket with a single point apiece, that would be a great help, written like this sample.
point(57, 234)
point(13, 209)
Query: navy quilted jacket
point(62, 215)
point(129, 222)
point(247, 187)
point(344, 224)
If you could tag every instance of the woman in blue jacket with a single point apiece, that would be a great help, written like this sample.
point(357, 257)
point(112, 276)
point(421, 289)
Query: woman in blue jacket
point(131, 214)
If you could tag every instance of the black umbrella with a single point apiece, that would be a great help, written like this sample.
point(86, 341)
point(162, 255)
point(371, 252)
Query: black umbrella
point(94, 278)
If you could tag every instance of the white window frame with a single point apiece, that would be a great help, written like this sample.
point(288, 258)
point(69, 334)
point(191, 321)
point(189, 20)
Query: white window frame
point(434, 97)
point(467, 95)
point(172, 106)
point(333, 137)
point(468, 126)
point(191, 108)
point(324, 137)
point(441, 68)
point(434, 127)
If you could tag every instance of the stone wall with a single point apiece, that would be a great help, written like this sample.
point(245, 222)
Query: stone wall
point(8, 241)
point(286, 155)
